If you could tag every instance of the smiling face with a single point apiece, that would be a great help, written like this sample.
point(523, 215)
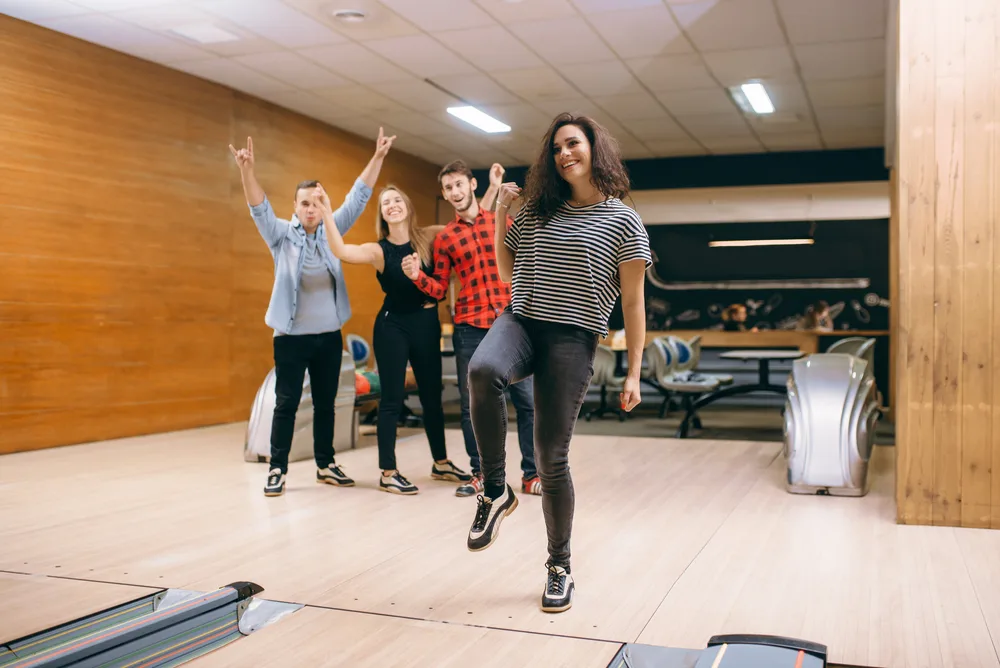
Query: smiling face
point(394, 209)
point(571, 152)
point(458, 189)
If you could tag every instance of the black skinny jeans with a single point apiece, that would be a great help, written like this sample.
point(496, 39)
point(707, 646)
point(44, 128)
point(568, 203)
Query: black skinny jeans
point(413, 337)
point(561, 358)
point(293, 355)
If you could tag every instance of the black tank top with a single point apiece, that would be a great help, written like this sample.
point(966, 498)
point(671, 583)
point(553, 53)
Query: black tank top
point(401, 294)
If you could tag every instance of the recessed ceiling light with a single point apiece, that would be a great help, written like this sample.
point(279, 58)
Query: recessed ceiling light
point(752, 97)
point(205, 33)
point(473, 116)
point(350, 15)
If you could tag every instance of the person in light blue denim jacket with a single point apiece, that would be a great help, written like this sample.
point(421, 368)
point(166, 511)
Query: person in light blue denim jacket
point(309, 306)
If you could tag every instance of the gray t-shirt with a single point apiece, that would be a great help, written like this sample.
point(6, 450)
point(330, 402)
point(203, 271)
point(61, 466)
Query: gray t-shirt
point(316, 312)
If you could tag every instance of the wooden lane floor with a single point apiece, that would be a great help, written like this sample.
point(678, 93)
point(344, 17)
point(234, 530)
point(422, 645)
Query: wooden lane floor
point(674, 541)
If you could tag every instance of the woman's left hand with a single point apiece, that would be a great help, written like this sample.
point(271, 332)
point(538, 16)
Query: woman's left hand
point(629, 395)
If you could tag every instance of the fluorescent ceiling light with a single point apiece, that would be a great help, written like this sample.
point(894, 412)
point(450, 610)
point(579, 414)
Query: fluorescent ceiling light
point(757, 97)
point(205, 33)
point(473, 116)
point(761, 242)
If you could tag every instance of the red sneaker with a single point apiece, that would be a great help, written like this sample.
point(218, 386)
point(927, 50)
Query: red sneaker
point(533, 486)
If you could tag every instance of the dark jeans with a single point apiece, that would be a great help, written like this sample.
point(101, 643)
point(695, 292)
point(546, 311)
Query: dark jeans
point(561, 358)
point(413, 337)
point(293, 355)
point(466, 340)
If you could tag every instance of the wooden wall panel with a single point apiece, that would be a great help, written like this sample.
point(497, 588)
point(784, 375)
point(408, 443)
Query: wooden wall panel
point(947, 274)
point(133, 282)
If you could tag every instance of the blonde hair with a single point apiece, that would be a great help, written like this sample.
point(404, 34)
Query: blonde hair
point(422, 238)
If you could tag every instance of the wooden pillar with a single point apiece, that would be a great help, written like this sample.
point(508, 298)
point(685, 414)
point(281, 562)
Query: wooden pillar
point(947, 359)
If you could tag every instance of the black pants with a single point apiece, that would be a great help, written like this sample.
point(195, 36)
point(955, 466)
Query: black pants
point(413, 337)
point(561, 358)
point(320, 354)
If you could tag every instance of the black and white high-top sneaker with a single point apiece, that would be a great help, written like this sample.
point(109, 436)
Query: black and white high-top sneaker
point(333, 475)
point(397, 484)
point(448, 471)
point(275, 483)
point(489, 514)
point(558, 595)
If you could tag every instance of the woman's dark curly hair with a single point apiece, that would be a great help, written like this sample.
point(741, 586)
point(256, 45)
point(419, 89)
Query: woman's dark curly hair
point(545, 190)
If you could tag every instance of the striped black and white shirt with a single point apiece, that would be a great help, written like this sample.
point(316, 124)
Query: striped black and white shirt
point(566, 270)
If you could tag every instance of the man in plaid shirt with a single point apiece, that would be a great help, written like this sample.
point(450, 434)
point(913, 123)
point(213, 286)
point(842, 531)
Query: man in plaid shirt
point(465, 245)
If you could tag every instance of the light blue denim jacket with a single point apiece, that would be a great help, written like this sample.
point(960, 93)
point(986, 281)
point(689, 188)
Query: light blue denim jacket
point(286, 239)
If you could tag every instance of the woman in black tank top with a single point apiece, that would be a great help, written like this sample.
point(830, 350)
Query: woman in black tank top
point(407, 330)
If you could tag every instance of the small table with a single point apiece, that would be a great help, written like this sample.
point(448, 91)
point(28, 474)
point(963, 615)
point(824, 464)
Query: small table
point(763, 384)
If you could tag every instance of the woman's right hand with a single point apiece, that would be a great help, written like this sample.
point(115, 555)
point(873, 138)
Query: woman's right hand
point(411, 266)
point(509, 192)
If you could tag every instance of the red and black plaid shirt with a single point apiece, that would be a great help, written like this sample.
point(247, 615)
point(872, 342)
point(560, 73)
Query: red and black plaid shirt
point(468, 249)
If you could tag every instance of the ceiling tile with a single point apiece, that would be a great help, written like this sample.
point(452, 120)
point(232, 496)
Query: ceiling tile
point(599, 6)
point(808, 141)
point(357, 62)
point(720, 125)
point(787, 96)
point(842, 60)
point(849, 118)
point(563, 41)
point(736, 67)
point(307, 103)
point(656, 129)
point(422, 55)
point(524, 119)
point(161, 18)
point(672, 72)
point(360, 98)
point(125, 37)
point(633, 33)
point(275, 21)
point(232, 74)
point(862, 138)
point(115, 5)
point(787, 123)
point(701, 101)
point(724, 25)
point(665, 148)
point(413, 123)
point(362, 126)
point(607, 78)
point(536, 82)
point(732, 145)
point(292, 68)
point(809, 21)
point(631, 106)
point(380, 21)
point(537, 10)
point(476, 89)
point(419, 96)
point(36, 10)
point(479, 46)
point(847, 92)
point(441, 14)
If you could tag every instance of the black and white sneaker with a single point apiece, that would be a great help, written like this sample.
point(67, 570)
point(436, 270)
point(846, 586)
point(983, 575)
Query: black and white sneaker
point(558, 595)
point(397, 484)
point(448, 471)
point(275, 483)
point(489, 514)
point(333, 475)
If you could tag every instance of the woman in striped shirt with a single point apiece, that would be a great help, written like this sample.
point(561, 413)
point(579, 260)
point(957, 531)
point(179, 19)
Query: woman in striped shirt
point(573, 249)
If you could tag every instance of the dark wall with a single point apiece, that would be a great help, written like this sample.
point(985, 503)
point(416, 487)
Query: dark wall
point(842, 250)
point(717, 171)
